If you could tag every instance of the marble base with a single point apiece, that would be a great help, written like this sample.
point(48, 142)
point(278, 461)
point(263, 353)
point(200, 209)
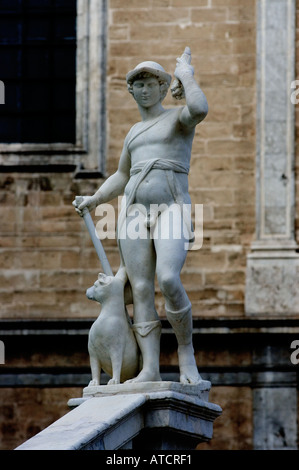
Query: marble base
point(200, 390)
point(149, 415)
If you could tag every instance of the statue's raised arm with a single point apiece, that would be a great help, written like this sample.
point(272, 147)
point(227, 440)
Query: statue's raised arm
point(196, 108)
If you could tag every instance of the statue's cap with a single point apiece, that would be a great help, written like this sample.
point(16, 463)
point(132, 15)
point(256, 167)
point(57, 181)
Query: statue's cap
point(151, 67)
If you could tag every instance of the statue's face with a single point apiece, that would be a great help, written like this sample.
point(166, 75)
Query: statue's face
point(146, 91)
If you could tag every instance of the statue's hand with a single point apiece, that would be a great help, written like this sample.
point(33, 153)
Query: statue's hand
point(183, 69)
point(84, 202)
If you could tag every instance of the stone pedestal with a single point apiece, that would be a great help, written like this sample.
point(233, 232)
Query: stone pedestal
point(145, 416)
point(272, 280)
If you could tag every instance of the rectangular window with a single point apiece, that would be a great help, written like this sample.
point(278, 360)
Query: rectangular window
point(38, 57)
point(53, 56)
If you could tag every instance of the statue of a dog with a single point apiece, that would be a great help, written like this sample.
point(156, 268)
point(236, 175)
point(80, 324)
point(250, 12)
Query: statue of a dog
point(111, 344)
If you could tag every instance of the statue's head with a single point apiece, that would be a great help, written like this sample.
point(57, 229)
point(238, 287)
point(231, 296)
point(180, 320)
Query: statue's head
point(150, 69)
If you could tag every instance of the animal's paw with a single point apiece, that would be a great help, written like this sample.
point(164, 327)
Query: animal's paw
point(93, 382)
point(113, 382)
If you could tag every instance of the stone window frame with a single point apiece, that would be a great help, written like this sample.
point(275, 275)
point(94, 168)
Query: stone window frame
point(87, 155)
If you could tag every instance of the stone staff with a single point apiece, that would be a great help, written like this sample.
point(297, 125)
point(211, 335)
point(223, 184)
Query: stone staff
point(96, 241)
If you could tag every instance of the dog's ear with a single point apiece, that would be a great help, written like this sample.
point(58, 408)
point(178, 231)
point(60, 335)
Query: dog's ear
point(102, 277)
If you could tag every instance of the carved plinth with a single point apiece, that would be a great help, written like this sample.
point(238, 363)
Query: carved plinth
point(173, 416)
point(151, 415)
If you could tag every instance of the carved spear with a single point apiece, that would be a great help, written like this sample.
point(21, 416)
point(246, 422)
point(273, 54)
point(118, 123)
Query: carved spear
point(96, 241)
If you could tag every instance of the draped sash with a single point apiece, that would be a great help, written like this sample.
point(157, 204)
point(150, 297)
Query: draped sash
point(142, 169)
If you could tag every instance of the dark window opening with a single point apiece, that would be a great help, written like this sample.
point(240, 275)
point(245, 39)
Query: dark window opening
point(38, 68)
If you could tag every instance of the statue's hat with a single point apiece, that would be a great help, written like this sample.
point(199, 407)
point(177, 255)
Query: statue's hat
point(151, 67)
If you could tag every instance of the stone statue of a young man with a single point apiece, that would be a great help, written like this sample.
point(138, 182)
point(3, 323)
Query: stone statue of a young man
point(153, 169)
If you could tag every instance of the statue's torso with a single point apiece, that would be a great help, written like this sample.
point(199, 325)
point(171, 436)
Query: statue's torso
point(164, 139)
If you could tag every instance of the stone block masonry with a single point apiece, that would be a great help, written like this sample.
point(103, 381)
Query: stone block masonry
point(43, 244)
point(221, 36)
point(47, 259)
point(42, 240)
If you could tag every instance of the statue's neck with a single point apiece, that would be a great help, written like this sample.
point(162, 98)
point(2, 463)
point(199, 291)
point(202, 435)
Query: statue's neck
point(152, 112)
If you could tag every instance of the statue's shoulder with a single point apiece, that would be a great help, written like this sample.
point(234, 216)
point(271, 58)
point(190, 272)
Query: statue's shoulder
point(131, 131)
point(175, 112)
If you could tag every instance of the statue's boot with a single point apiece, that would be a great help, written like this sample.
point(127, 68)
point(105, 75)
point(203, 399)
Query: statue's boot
point(182, 324)
point(148, 338)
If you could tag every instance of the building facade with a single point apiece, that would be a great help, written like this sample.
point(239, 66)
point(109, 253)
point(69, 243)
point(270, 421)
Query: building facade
point(64, 113)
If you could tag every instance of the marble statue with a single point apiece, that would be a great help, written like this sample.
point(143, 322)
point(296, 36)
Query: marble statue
point(153, 172)
point(111, 342)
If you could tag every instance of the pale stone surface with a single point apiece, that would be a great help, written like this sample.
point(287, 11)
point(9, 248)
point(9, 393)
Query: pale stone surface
point(275, 119)
point(159, 419)
point(91, 419)
point(272, 276)
point(200, 390)
point(272, 285)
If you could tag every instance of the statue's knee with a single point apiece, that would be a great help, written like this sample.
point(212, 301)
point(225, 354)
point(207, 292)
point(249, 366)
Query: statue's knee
point(142, 289)
point(169, 283)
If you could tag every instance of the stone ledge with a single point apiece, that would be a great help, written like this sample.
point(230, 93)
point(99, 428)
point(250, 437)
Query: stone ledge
point(92, 425)
point(164, 415)
point(263, 324)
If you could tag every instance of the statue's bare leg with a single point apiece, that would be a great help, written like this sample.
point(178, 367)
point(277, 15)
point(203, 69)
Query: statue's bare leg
point(140, 261)
point(171, 255)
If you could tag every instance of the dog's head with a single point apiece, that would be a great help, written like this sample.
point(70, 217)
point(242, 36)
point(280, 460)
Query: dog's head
point(108, 285)
point(99, 290)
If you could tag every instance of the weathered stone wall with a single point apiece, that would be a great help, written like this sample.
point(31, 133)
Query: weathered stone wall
point(41, 376)
point(27, 411)
point(38, 408)
point(221, 35)
point(46, 257)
